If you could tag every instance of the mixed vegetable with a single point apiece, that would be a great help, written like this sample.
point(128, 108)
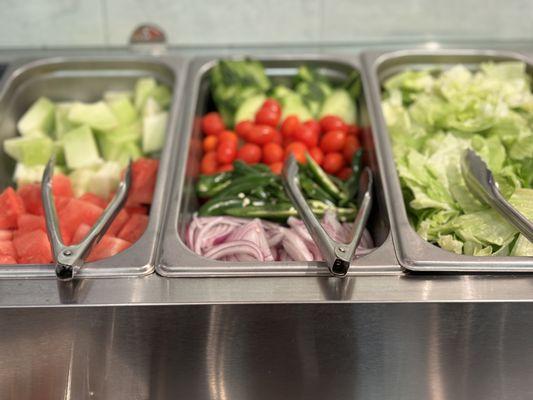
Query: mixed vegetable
point(432, 117)
point(256, 126)
point(92, 143)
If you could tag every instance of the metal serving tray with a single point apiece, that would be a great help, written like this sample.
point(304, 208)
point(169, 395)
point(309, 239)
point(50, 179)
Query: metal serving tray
point(85, 79)
point(176, 259)
point(413, 252)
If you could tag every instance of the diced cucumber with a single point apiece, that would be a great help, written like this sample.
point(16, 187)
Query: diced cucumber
point(249, 108)
point(81, 179)
point(31, 150)
point(95, 115)
point(62, 123)
point(154, 128)
point(112, 95)
point(341, 104)
point(105, 179)
point(162, 95)
point(151, 107)
point(143, 88)
point(25, 174)
point(80, 148)
point(39, 117)
point(123, 110)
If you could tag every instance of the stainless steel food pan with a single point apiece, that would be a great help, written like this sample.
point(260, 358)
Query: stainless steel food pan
point(176, 259)
point(413, 252)
point(85, 79)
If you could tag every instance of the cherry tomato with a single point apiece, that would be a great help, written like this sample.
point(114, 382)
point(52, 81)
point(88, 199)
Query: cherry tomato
point(354, 130)
point(352, 145)
point(243, 128)
point(306, 134)
point(314, 125)
point(333, 123)
point(272, 104)
point(344, 173)
point(317, 155)
point(333, 141)
point(226, 152)
point(225, 136)
point(209, 143)
point(261, 134)
point(272, 152)
point(212, 123)
point(289, 125)
point(225, 167)
point(298, 149)
point(267, 117)
point(209, 163)
point(249, 153)
point(333, 162)
point(278, 138)
point(276, 167)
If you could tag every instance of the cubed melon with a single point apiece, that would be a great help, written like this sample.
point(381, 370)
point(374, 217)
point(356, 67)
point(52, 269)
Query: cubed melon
point(30, 150)
point(80, 148)
point(143, 88)
point(39, 117)
point(123, 110)
point(95, 115)
point(154, 128)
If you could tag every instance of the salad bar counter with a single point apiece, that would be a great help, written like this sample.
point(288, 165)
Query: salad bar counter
point(209, 283)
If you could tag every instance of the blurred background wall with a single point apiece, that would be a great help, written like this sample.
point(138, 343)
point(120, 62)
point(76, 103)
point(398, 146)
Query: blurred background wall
point(65, 23)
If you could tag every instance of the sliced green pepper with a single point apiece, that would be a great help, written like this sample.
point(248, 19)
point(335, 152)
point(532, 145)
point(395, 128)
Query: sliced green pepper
point(210, 185)
point(324, 180)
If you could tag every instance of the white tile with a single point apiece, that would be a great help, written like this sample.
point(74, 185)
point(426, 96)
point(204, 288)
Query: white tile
point(218, 22)
point(360, 20)
point(43, 23)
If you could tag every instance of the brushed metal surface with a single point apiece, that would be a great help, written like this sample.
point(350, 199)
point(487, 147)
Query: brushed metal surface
point(240, 352)
point(85, 78)
point(177, 260)
point(413, 252)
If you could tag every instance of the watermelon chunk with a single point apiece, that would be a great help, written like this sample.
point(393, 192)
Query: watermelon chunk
point(78, 212)
point(6, 234)
point(7, 248)
point(136, 209)
point(94, 199)
point(80, 233)
point(33, 248)
point(31, 195)
point(11, 206)
point(29, 223)
point(61, 186)
point(7, 260)
point(118, 223)
point(134, 228)
point(107, 247)
point(144, 175)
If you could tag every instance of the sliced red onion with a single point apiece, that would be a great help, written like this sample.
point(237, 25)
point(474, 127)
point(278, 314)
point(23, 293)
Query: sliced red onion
point(235, 248)
point(296, 247)
point(253, 231)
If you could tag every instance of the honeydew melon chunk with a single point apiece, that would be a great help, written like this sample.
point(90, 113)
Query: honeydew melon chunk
point(39, 117)
point(25, 174)
point(31, 150)
point(111, 143)
point(162, 95)
point(123, 110)
point(129, 151)
point(80, 148)
point(112, 95)
point(95, 115)
point(151, 107)
point(105, 179)
point(154, 127)
point(62, 123)
point(143, 88)
point(81, 179)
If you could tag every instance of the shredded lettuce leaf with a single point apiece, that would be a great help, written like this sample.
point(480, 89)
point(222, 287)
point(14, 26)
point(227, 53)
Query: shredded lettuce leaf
point(432, 117)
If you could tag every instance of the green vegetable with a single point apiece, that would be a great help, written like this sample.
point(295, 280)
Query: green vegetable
point(313, 89)
point(432, 118)
point(352, 183)
point(211, 185)
point(282, 211)
point(235, 81)
point(249, 108)
point(291, 103)
point(341, 104)
point(324, 180)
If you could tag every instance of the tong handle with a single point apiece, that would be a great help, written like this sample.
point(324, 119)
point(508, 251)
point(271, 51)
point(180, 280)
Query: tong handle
point(70, 258)
point(337, 255)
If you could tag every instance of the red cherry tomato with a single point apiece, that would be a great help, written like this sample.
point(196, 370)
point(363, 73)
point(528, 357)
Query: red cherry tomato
point(289, 125)
point(344, 173)
point(278, 138)
point(354, 130)
point(210, 143)
point(225, 167)
point(333, 162)
point(333, 123)
point(249, 153)
point(314, 125)
point(225, 136)
point(209, 163)
point(267, 117)
point(272, 152)
point(273, 105)
point(243, 128)
point(212, 123)
point(226, 152)
point(352, 145)
point(333, 141)
point(261, 134)
point(317, 155)
point(306, 134)
point(276, 167)
point(298, 149)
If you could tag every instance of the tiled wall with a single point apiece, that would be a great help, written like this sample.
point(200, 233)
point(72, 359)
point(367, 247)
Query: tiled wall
point(60, 23)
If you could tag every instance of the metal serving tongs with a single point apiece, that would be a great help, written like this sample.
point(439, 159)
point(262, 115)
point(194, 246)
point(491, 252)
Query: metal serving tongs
point(481, 183)
point(337, 255)
point(69, 259)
